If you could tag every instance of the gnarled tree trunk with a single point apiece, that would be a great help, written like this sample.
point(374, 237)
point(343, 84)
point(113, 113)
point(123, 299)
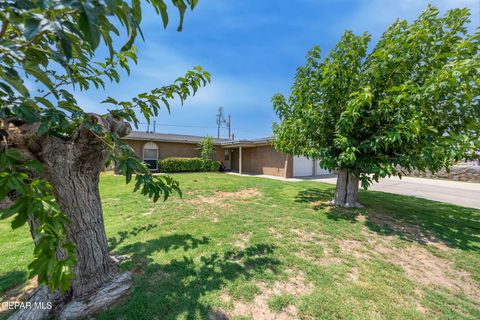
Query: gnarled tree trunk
point(346, 192)
point(73, 168)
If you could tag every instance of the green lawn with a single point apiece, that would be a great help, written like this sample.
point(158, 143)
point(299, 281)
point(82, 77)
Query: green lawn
point(254, 248)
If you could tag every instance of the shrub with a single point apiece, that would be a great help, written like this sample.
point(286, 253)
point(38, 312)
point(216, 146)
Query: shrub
point(215, 165)
point(170, 165)
point(206, 147)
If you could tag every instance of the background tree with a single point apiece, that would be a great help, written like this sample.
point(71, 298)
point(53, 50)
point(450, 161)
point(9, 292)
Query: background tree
point(51, 151)
point(411, 102)
point(206, 148)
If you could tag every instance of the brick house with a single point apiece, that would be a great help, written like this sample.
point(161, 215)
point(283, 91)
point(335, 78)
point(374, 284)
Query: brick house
point(242, 156)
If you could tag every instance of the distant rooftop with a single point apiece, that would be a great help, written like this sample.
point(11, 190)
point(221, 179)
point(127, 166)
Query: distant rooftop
point(169, 137)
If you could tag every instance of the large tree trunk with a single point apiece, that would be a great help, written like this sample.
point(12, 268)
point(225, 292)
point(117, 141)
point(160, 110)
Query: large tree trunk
point(73, 169)
point(346, 192)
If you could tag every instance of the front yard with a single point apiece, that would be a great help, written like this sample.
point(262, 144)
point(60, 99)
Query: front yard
point(252, 248)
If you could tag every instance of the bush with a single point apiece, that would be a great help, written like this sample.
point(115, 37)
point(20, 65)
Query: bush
point(170, 165)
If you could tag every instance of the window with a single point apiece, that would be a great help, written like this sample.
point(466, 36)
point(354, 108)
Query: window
point(150, 155)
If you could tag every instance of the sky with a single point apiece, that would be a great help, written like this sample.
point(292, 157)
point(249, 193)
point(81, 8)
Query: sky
point(252, 49)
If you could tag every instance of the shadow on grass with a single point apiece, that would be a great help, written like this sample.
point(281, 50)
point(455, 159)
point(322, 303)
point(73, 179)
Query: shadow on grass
point(186, 242)
point(315, 195)
point(11, 279)
point(319, 200)
point(179, 288)
point(426, 220)
point(114, 242)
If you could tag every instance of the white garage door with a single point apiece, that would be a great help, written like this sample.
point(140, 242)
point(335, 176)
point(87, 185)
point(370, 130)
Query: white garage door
point(319, 171)
point(302, 166)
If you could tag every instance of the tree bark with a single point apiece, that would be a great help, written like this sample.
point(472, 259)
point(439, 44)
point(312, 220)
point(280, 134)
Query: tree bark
point(73, 169)
point(346, 192)
point(73, 166)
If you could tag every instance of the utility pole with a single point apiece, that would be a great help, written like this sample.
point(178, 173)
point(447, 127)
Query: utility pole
point(220, 119)
point(229, 128)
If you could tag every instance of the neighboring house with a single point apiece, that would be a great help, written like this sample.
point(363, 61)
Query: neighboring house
point(242, 156)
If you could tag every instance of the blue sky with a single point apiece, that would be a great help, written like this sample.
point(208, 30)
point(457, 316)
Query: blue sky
point(251, 48)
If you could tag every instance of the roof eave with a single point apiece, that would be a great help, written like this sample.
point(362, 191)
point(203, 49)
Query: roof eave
point(166, 140)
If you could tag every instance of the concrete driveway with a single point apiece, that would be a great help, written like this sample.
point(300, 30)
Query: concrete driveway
point(464, 194)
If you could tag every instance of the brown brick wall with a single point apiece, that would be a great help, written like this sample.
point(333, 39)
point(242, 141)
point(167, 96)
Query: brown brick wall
point(173, 149)
point(256, 160)
point(289, 167)
point(261, 160)
point(218, 154)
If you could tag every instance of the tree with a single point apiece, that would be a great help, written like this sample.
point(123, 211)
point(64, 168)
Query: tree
point(410, 103)
point(206, 148)
point(52, 151)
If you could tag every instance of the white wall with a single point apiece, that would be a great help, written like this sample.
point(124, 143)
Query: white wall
point(302, 167)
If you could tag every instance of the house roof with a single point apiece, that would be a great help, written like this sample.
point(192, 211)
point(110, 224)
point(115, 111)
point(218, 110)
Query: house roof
point(168, 137)
point(248, 143)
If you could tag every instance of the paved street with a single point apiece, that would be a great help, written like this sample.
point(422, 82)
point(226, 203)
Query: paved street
point(460, 193)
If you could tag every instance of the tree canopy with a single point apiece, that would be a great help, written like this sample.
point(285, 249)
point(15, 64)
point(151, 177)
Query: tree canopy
point(53, 43)
point(411, 102)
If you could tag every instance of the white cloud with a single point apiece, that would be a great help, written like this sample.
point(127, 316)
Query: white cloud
point(376, 15)
point(160, 65)
point(245, 97)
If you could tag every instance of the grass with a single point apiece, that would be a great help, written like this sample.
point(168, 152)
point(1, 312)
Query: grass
point(250, 247)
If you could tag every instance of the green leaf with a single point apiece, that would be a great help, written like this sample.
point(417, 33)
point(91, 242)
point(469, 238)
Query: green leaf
point(12, 78)
point(19, 220)
point(47, 103)
point(88, 23)
point(27, 112)
point(32, 27)
point(181, 9)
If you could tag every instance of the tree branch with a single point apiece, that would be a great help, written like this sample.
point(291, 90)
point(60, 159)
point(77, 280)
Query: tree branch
point(5, 24)
point(33, 40)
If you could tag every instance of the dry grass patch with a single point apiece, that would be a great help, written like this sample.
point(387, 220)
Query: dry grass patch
point(149, 212)
point(406, 230)
point(308, 237)
point(355, 248)
point(423, 267)
point(354, 274)
point(275, 233)
point(420, 265)
point(243, 240)
point(259, 308)
point(219, 197)
point(326, 260)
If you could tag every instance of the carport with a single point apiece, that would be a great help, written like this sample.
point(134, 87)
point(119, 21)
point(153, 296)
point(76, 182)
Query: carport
point(256, 157)
point(259, 157)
